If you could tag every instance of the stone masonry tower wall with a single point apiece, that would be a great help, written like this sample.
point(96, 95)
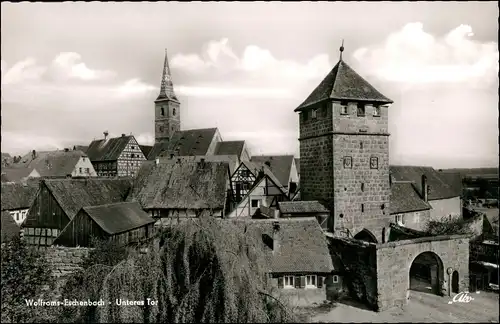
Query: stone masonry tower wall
point(344, 153)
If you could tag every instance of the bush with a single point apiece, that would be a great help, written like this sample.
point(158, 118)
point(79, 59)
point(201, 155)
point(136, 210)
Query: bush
point(25, 275)
point(446, 226)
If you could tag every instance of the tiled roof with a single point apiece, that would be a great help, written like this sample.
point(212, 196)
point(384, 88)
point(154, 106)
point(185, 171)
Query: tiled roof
point(398, 233)
point(17, 195)
point(231, 160)
point(301, 207)
point(404, 198)
point(56, 163)
point(186, 142)
point(230, 148)
point(119, 217)
point(73, 194)
point(297, 165)
point(107, 149)
point(343, 83)
point(82, 148)
point(15, 174)
point(28, 158)
point(9, 228)
point(438, 187)
point(302, 245)
point(146, 149)
point(185, 185)
point(280, 165)
point(454, 180)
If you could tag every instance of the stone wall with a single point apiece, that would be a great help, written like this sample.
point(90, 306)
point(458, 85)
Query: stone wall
point(394, 260)
point(65, 260)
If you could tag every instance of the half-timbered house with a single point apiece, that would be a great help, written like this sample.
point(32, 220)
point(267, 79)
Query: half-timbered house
point(179, 189)
point(283, 167)
point(243, 179)
point(17, 199)
point(123, 223)
point(58, 200)
point(116, 157)
point(266, 191)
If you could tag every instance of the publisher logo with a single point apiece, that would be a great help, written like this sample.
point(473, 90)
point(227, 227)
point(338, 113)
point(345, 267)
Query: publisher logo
point(462, 297)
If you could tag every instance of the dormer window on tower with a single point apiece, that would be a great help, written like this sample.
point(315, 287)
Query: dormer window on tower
point(173, 112)
point(343, 108)
point(376, 111)
point(361, 110)
point(162, 112)
point(304, 115)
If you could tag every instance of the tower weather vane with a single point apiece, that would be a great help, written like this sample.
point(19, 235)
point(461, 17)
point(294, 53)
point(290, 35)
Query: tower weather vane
point(341, 49)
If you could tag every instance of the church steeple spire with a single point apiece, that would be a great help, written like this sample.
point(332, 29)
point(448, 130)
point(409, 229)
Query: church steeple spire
point(167, 87)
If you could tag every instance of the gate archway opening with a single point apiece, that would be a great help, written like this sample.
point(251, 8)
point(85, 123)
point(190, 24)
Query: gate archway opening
point(426, 273)
point(454, 282)
point(366, 235)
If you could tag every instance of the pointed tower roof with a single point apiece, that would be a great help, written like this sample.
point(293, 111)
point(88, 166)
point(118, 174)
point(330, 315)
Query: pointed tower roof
point(343, 83)
point(167, 87)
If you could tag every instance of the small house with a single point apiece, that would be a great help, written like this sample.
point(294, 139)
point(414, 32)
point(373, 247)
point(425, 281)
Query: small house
point(59, 200)
point(18, 174)
point(17, 199)
point(314, 209)
point(179, 189)
point(123, 223)
point(408, 207)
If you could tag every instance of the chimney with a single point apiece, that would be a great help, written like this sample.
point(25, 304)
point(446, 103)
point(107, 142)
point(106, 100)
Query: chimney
point(276, 241)
point(123, 135)
point(66, 150)
point(33, 154)
point(105, 134)
point(425, 188)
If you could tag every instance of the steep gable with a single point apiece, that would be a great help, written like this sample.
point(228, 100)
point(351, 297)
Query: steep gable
point(343, 83)
point(280, 165)
point(57, 163)
point(230, 148)
point(185, 143)
point(107, 149)
point(18, 196)
point(404, 198)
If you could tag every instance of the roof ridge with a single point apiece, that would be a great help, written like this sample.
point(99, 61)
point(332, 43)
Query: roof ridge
point(110, 204)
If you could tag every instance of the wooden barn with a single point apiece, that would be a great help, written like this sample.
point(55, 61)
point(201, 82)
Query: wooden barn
point(123, 222)
point(59, 200)
point(183, 189)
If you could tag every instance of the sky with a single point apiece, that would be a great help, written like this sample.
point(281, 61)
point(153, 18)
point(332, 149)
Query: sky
point(71, 71)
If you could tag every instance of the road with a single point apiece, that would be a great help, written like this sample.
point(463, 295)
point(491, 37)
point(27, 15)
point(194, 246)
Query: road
point(422, 307)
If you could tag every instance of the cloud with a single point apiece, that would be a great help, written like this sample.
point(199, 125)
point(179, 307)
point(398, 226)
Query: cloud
point(23, 71)
point(145, 139)
point(134, 87)
point(69, 65)
point(256, 72)
point(21, 143)
point(413, 56)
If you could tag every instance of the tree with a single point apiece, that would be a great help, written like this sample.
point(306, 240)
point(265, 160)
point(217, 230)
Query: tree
point(25, 276)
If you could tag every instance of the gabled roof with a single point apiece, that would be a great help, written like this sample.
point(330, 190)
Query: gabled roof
point(9, 228)
point(301, 207)
point(82, 148)
point(343, 83)
point(15, 174)
point(231, 160)
point(230, 148)
point(302, 245)
point(185, 185)
point(183, 143)
point(438, 187)
point(56, 163)
point(118, 217)
point(280, 165)
point(398, 233)
point(453, 180)
point(107, 149)
point(297, 165)
point(146, 149)
point(73, 194)
point(18, 196)
point(404, 198)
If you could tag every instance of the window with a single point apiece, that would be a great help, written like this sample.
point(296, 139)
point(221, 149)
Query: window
point(132, 155)
point(87, 170)
point(161, 129)
point(362, 208)
point(361, 110)
point(17, 216)
point(343, 108)
point(335, 279)
point(311, 281)
point(83, 159)
point(173, 112)
point(289, 281)
point(304, 115)
point(360, 145)
point(362, 187)
point(400, 220)
point(325, 110)
point(162, 111)
point(81, 170)
point(376, 111)
point(255, 203)
point(417, 217)
point(347, 162)
point(133, 147)
point(374, 162)
point(313, 114)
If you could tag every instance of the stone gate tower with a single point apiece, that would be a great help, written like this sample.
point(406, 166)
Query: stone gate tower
point(167, 107)
point(344, 153)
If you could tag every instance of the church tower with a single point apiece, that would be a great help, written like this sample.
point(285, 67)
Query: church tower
point(167, 107)
point(344, 153)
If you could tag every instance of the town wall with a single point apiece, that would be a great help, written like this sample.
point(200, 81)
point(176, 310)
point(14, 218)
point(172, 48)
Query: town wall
point(394, 260)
